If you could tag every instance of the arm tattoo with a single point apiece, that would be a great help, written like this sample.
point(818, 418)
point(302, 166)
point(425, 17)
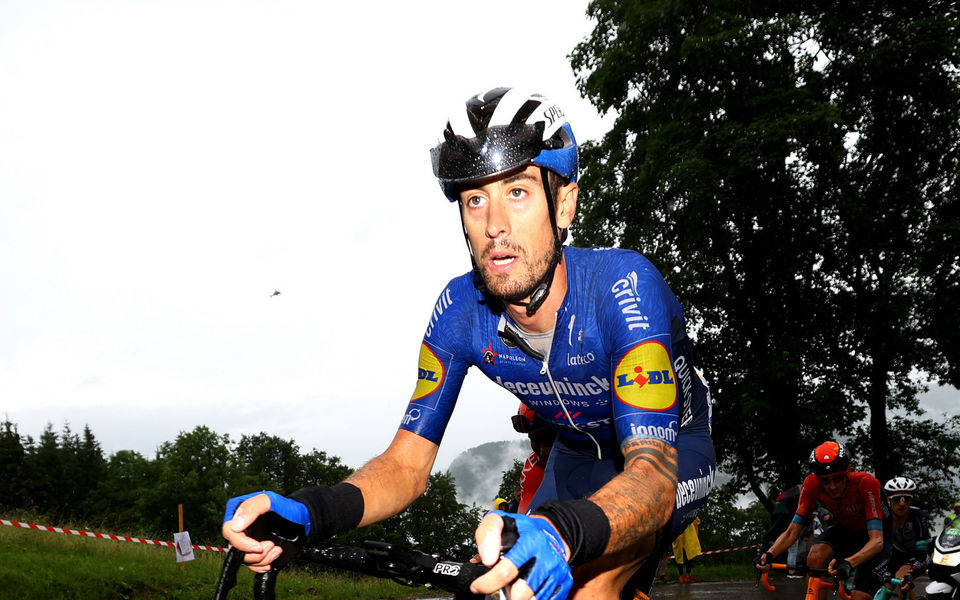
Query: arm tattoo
point(641, 498)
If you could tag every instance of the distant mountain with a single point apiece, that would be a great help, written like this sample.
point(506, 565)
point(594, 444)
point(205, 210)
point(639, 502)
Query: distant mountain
point(479, 470)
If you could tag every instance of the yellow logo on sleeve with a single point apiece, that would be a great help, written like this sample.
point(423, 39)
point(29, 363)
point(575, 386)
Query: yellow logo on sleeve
point(429, 373)
point(644, 377)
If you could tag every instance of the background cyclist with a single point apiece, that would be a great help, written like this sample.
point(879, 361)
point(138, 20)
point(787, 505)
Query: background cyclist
point(908, 525)
point(855, 536)
point(592, 340)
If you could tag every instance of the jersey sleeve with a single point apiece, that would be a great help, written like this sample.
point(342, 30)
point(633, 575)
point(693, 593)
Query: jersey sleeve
point(440, 370)
point(871, 497)
point(809, 492)
point(637, 311)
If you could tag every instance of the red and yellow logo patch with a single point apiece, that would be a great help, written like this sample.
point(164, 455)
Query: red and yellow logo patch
point(644, 377)
point(429, 373)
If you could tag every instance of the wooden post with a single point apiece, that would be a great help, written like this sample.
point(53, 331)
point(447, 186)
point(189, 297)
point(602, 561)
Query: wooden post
point(180, 518)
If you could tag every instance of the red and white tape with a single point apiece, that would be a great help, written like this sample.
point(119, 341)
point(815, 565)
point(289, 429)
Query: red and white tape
point(724, 550)
point(103, 536)
point(120, 538)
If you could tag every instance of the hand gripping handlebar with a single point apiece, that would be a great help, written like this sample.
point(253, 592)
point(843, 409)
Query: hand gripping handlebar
point(378, 559)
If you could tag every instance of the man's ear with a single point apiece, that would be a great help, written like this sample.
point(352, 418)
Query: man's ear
point(567, 204)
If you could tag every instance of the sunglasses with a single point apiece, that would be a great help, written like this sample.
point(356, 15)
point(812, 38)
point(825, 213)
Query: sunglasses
point(903, 499)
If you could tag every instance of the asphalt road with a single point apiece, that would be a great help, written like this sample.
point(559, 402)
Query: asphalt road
point(786, 589)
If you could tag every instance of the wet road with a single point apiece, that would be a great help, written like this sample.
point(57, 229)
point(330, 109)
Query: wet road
point(787, 589)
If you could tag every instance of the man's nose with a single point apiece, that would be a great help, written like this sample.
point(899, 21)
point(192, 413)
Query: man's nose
point(498, 221)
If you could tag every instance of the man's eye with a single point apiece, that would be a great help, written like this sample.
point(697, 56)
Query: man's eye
point(517, 193)
point(475, 201)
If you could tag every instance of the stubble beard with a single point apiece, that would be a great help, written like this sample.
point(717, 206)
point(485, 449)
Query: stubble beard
point(506, 286)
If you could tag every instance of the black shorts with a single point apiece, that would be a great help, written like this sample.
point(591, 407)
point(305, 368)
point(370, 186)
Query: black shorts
point(871, 574)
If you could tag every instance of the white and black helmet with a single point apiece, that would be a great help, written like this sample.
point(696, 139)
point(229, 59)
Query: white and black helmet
point(500, 130)
point(900, 485)
point(496, 132)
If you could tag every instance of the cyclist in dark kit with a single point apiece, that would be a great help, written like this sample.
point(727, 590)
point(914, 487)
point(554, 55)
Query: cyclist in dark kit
point(855, 536)
point(590, 339)
point(909, 528)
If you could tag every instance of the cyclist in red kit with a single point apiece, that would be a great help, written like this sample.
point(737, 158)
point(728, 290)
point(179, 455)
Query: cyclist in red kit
point(855, 536)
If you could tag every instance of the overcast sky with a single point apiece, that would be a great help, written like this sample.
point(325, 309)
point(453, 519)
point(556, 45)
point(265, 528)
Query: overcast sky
point(166, 165)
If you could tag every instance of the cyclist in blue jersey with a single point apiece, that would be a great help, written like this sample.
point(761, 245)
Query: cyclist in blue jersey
point(592, 340)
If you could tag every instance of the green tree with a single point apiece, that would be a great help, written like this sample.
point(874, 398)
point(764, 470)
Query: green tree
point(510, 482)
point(120, 495)
point(740, 163)
point(43, 469)
point(193, 470)
point(438, 523)
point(11, 466)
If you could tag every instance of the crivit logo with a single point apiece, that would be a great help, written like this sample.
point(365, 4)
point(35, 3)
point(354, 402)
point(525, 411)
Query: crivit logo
point(625, 291)
point(644, 377)
point(446, 299)
point(429, 373)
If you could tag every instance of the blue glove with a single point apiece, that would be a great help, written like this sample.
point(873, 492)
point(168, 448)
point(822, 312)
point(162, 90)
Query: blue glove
point(539, 544)
point(287, 508)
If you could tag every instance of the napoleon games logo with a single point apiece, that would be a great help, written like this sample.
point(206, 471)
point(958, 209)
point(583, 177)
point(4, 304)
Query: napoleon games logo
point(644, 377)
point(429, 373)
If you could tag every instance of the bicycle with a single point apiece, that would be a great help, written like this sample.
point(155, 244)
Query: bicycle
point(815, 581)
point(379, 559)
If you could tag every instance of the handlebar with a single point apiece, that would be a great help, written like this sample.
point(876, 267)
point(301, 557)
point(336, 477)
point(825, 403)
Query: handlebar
point(813, 580)
point(379, 559)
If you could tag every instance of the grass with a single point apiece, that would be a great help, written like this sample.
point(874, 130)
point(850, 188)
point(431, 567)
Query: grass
point(45, 565)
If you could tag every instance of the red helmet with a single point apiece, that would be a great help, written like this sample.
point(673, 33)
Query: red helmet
point(829, 457)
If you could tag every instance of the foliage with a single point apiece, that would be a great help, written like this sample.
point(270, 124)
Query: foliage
point(724, 524)
point(510, 481)
point(65, 477)
point(792, 169)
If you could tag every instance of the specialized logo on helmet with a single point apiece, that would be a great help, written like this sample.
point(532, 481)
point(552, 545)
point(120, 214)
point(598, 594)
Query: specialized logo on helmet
point(429, 373)
point(644, 377)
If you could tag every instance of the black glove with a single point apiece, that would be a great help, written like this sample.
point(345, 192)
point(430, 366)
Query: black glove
point(764, 559)
point(906, 582)
point(843, 569)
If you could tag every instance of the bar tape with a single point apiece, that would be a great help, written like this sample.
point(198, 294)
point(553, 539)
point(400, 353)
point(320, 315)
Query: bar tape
point(103, 536)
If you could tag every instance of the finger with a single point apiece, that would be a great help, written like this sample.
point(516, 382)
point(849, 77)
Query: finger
point(519, 590)
point(263, 559)
point(496, 578)
point(240, 541)
point(488, 539)
point(248, 511)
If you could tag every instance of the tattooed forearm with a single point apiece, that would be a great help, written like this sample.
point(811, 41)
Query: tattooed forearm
point(640, 500)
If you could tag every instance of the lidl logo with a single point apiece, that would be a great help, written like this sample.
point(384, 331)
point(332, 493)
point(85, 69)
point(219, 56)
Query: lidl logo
point(429, 373)
point(644, 377)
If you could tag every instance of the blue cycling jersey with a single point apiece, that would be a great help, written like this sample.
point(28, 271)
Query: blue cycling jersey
point(620, 365)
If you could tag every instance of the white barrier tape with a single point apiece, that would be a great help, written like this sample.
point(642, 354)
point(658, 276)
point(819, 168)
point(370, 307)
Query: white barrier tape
point(103, 536)
point(724, 550)
point(121, 538)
